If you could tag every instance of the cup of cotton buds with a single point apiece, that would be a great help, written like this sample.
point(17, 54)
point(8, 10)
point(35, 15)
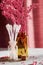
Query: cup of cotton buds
point(13, 33)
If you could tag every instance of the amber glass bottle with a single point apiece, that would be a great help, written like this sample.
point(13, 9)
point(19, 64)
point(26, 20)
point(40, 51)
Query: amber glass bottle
point(22, 46)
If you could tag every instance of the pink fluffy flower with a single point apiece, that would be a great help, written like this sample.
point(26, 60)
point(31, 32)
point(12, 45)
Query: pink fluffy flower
point(16, 11)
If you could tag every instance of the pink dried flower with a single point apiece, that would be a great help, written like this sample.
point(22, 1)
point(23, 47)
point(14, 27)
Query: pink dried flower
point(35, 63)
point(16, 11)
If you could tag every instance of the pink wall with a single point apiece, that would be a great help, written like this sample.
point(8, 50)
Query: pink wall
point(41, 22)
point(38, 24)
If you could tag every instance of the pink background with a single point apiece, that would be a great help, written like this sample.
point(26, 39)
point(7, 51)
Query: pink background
point(34, 27)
